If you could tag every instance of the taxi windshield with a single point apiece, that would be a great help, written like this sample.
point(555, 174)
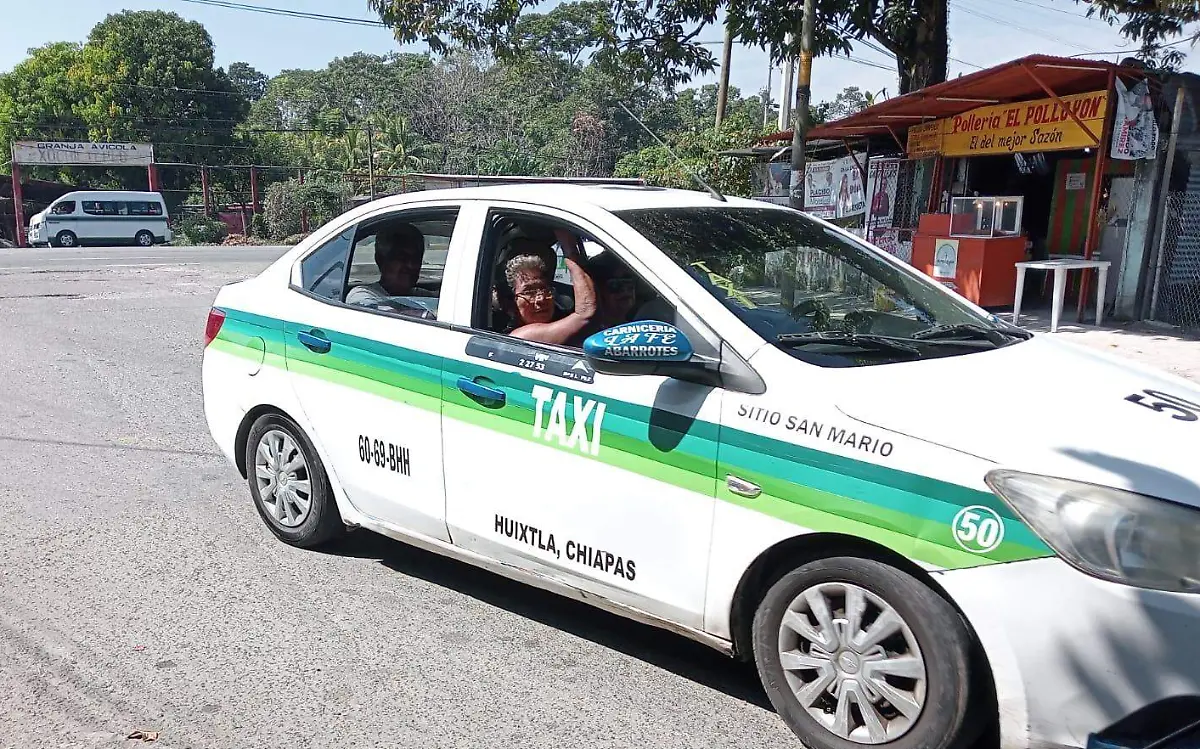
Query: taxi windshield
point(813, 292)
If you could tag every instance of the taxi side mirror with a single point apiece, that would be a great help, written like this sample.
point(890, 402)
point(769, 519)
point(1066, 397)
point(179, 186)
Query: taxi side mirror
point(643, 342)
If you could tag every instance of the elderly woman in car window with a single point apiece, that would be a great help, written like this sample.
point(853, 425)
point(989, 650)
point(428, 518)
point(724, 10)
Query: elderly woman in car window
point(531, 295)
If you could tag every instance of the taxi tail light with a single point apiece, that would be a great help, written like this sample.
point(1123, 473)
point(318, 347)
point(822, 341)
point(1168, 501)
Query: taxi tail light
point(216, 318)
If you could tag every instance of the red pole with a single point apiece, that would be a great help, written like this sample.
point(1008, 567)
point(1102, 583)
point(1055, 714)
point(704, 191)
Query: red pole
point(204, 191)
point(152, 175)
point(303, 211)
point(18, 204)
point(254, 188)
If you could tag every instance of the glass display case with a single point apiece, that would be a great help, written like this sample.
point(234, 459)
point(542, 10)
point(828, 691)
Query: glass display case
point(979, 216)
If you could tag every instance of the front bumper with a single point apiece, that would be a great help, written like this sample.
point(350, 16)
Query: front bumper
point(1073, 655)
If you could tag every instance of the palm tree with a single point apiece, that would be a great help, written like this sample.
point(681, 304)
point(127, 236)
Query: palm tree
point(398, 148)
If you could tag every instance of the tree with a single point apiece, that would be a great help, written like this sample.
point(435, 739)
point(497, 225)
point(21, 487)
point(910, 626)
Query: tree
point(642, 42)
point(700, 153)
point(649, 42)
point(1154, 24)
point(249, 82)
point(37, 97)
point(849, 100)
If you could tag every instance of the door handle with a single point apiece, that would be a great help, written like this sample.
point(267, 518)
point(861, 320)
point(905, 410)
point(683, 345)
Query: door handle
point(741, 487)
point(314, 341)
point(479, 390)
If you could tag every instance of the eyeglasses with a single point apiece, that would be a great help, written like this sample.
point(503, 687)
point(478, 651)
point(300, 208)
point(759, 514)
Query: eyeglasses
point(537, 295)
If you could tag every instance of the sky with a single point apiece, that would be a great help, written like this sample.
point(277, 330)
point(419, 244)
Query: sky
point(982, 33)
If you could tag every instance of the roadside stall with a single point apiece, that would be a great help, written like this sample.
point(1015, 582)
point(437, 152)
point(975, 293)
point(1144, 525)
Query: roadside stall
point(1008, 164)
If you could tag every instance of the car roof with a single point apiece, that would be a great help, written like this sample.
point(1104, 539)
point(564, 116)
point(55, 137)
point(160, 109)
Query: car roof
point(610, 197)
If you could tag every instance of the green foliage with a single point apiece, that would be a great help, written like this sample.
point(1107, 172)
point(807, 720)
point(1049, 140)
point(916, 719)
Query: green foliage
point(142, 76)
point(1154, 24)
point(700, 151)
point(649, 42)
point(258, 226)
point(287, 201)
point(250, 83)
point(36, 99)
point(197, 228)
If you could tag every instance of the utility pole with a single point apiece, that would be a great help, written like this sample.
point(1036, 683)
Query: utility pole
point(801, 119)
point(766, 105)
point(723, 88)
point(786, 94)
point(371, 158)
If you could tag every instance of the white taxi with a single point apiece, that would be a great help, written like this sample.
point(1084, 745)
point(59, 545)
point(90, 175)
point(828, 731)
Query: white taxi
point(728, 419)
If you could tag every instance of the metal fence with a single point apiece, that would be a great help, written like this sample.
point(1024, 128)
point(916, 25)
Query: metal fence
point(1174, 279)
point(909, 198)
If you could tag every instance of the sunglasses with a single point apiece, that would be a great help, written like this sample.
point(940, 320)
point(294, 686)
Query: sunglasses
point(620, 284)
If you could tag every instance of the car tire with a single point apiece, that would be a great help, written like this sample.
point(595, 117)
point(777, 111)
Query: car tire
point(66, 238)
point(924, 665)
point(144, 239)
point(293, 496)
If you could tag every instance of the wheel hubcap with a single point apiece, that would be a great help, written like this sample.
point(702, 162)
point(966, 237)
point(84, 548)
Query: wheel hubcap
point(283, 480)
point(853, 663)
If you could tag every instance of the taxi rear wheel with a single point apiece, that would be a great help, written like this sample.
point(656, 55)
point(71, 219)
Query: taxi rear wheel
point(288, 483)
point(854, 653)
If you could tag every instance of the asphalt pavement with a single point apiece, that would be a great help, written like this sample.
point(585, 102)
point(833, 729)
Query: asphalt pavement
point(139, 591)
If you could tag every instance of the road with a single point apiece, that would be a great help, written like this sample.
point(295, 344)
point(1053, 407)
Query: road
point(140, 591)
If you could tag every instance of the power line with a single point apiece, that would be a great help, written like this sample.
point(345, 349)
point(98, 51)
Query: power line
point(1153, 47)
point(1060, 10)
point(290, 13)
point(1009, 22)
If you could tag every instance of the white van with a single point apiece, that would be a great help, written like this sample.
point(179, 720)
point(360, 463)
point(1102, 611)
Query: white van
point(98, 217)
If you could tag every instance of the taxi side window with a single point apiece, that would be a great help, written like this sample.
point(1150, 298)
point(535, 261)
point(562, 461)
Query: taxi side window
point(621, 295)
point(397, 262)
point(323, 273)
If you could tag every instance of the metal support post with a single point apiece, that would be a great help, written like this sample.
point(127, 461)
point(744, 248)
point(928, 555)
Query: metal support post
point(18, 204)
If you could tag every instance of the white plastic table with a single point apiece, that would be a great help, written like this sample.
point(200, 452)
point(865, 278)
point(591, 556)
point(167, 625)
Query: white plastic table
point(1060, 266)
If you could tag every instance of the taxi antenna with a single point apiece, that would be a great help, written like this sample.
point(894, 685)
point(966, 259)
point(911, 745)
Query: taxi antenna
point(711, 190)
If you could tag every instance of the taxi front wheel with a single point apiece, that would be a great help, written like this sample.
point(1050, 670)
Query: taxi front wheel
point(289, 485)
point(854, 653)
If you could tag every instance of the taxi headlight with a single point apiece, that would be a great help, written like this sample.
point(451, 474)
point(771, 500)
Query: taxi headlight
point(1109, 533)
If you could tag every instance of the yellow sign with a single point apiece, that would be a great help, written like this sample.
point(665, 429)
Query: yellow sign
point(1039, 125)
point(925, 140)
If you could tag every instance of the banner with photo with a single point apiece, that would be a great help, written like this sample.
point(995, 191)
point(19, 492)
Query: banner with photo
point(1135, 131)
point(834, 189)
point(883, 176)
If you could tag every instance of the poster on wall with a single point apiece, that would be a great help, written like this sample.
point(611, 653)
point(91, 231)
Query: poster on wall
point(834, 189)
point(883, 175)
point(945, 258)
point(1135, 131)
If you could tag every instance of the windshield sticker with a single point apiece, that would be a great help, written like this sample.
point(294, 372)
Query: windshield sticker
point(552, 426)
point(527, 357)
point(847, 437)
point(582, 554)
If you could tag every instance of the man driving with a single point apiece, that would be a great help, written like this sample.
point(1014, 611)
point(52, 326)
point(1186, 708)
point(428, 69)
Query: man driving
point(399, 252)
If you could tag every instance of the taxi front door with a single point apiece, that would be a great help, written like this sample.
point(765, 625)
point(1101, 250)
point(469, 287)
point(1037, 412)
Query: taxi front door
point(605, 482)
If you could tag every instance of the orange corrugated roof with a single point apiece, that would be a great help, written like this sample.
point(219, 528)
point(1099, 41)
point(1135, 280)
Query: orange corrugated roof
point(1010, 81)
